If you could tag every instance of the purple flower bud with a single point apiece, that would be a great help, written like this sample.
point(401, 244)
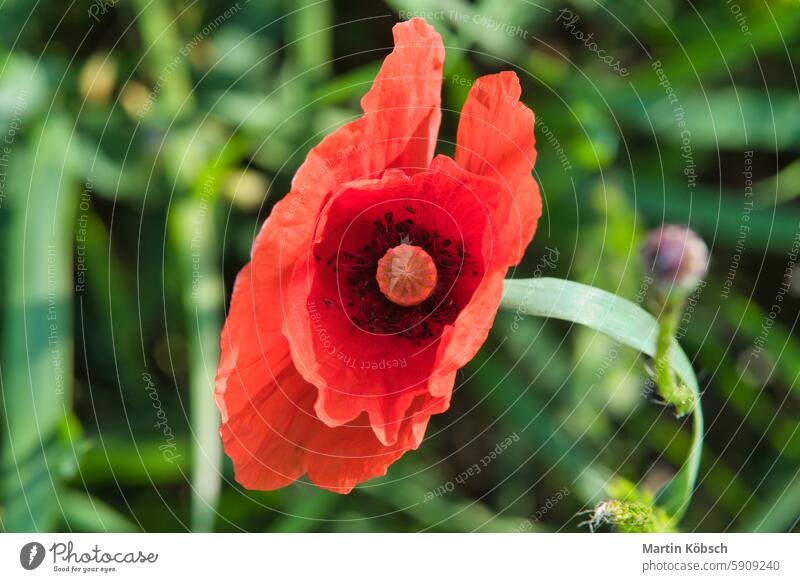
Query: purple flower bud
point(676, 257)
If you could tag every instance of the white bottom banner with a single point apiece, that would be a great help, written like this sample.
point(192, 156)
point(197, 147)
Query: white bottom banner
point(400, 557)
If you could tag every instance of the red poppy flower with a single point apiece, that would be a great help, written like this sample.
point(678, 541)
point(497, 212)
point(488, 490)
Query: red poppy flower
point(376, 278)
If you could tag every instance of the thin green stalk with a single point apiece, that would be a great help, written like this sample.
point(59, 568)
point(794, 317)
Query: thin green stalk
point(194, 237)
point(671, 391)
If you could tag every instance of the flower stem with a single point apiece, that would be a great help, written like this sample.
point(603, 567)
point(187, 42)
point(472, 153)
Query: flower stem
point(670, 389)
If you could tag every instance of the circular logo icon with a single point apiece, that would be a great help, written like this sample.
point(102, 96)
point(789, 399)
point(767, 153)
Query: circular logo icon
point(31, 555)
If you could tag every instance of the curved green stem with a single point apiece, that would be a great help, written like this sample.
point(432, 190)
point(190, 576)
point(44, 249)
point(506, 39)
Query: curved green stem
point(630, 325)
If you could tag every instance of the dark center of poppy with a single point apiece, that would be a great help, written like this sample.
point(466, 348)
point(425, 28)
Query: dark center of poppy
point(406, 275)
point(400, 272)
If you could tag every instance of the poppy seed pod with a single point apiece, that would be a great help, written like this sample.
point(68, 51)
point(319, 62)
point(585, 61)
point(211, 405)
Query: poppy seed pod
point(675, 257)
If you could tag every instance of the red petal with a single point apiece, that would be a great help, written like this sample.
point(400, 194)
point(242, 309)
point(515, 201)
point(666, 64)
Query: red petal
point(495, 139)
point(406, 96)
point(269, 427)
point(399, 127)
point(461, 341)
point(276, 438)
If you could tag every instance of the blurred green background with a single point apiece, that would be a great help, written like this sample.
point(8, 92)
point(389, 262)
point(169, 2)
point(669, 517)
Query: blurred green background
point(144, 142)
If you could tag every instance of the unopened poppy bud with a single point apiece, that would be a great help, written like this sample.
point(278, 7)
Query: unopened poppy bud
point(676, 257)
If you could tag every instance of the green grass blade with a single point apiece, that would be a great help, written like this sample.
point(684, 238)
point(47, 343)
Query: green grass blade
point(83, 512)
point(36, 371)
point(778, 189)
point(782, 512)
point(138, 463)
